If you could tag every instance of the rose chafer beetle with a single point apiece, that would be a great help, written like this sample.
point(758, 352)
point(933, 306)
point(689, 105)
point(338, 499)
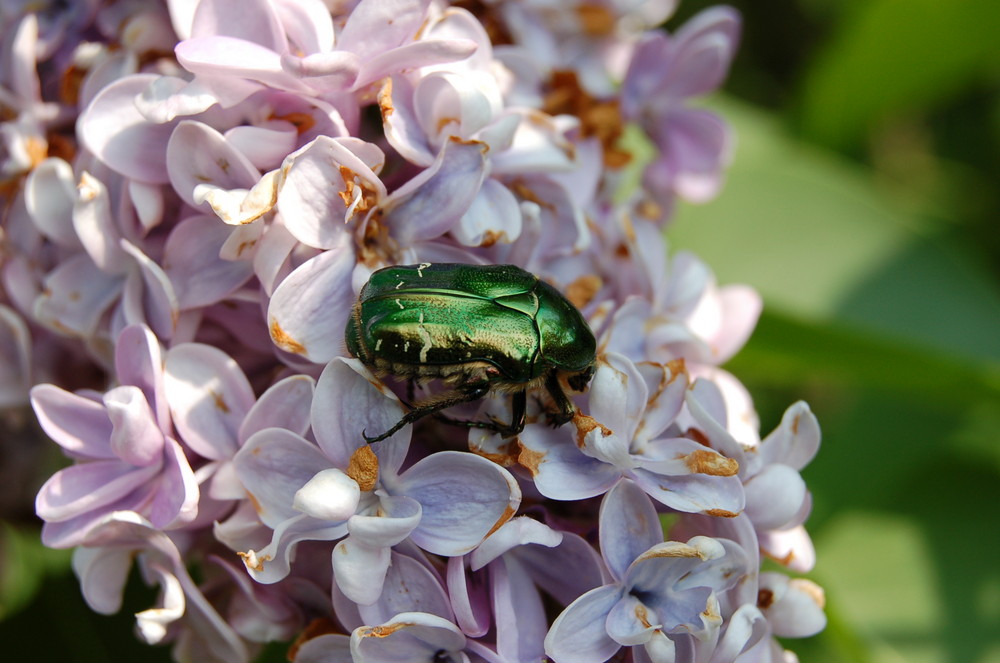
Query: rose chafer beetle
point(479, 329)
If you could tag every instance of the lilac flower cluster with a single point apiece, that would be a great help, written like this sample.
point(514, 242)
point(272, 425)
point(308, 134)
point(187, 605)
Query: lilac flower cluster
point(195, 191)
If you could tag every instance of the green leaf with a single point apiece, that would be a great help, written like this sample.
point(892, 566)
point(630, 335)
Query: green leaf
point(24, 565)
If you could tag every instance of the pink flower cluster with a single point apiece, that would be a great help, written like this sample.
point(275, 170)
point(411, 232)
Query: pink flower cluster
point(194, 193)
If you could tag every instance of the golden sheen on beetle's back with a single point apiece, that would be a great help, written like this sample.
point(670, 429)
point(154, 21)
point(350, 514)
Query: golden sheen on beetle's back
point(479, 328)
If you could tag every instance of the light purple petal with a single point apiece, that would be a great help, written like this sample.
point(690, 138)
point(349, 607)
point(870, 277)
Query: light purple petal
point(796, 440)
point(331, 70)
point(154, 302)
point(266, 145)
point(774, 496)
point(706, 404)
point(78, 489)
point(307, 24)
point(618, 396)
point(285, 404)
point(350, 401)
point(795, 605)
point(705, 47)
point(667, 385)
point(407, 637)
point(329, 648)
point(114, 130)
point(253, 20)
point(209, 396)
point(422, 53)
point(579, 634)
point(432, 202)
point(75, 296)
point(138, 362)
point(494, 216)
point(313, 300)
point(377, 25)
point(627, 332)
point(792, 546)
point(273, 562)
point(191, 261)
point(629, 525)
point(395, 519)
point(75, 531)
point(539, 146)
point(520, 615)
point(697, 493)
point(515, 532)
point(170, 97)
point(740, 308)
point(400, 124)
point(229, 57)
point(102, 573)
point(22, 72)
point(148, 202)
point(565, 572)
point(680, 456)
point(175, 501)
point(700, 145)
point(77, 424)
point(744, 629)
point(469, 598)
point(273, 465)
point(95, 226)
point(464, 498)
point(409, 587)
point(271, 255)
point(327, 183)
point(725, 565)
point(152, 623)
point(630, 622)
point(449, 104)
point(136, 438)
point(560, 470)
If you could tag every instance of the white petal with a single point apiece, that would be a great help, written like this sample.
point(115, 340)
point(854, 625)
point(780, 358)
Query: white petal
point(113, 129)
point(49, 194)
point(208, 396)
point(197, 155)
point(579, 634)
point(359, 570)
point(774, 496)
point(313, 300)
point(95, 227)
point(329, 495)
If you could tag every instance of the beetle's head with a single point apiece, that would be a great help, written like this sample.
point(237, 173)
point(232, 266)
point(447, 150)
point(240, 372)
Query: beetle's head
point(579, 381)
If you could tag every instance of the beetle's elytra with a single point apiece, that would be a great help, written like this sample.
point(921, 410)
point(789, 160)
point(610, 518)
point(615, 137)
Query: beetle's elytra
point(479, 328)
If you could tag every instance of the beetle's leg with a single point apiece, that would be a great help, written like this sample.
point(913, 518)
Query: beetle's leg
point(565, 407)
point(410, 394)
point(465, 394)
point(518, 406)
point(519, 403)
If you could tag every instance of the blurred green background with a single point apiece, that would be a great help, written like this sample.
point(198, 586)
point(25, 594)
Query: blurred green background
point(864, 205)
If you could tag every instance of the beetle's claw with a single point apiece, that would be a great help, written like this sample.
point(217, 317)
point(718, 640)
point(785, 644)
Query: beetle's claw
point(557, 419)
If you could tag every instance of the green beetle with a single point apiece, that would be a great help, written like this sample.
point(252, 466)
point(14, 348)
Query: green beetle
point(479, 328)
